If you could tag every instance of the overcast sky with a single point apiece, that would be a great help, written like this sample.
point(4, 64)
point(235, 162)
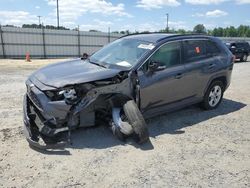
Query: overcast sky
point(139, 15)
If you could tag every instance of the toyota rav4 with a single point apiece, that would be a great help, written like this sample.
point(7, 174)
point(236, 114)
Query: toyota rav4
point(130, 79)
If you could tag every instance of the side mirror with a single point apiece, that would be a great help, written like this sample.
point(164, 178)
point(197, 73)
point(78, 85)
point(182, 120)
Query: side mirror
point(154, 66)
point(84, 56)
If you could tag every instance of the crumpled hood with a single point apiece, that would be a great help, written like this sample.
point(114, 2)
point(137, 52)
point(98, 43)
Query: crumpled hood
point(72, 72)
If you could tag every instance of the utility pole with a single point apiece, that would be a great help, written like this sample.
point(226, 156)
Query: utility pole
point(39, 18)
point(57, 9)
point(167, 22)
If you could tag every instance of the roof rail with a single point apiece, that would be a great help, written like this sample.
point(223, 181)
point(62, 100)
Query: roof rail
point(170, 36)
point(143, 33)
point(183, 35)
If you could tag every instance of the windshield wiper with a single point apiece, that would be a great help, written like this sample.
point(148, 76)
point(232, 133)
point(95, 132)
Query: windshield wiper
point(100, 65)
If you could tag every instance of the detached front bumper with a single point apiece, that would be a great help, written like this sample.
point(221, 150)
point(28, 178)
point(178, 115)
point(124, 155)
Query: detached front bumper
point(38, 134)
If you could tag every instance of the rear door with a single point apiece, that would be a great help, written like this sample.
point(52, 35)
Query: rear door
point(201, 61)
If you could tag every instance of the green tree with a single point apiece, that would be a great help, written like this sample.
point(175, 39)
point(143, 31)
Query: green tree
point(200, 28)
point(181, 31)
point(210, 32)
point(231, 32)
point(215, 32)
point(30, 26)
point(93, 30)
point(218, 32)
point(9, 25)
point(248, 33)
point(242, 30)
point(40, 26)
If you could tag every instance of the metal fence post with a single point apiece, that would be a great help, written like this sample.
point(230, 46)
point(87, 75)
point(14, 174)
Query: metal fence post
point(44, 48)
point(2, 42)
point(109, 35)
point(79, 42)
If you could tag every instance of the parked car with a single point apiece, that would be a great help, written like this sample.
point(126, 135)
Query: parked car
point(132, 78)
point(241, 50)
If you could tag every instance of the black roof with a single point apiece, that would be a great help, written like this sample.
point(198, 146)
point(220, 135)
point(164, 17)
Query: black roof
point(157, 37)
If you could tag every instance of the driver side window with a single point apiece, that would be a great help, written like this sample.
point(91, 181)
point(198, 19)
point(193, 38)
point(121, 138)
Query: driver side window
point(168, 55)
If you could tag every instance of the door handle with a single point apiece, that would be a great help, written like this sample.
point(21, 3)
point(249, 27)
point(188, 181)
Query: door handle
point(178, 76)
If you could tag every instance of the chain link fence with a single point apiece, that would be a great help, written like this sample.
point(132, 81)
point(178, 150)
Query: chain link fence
point(47, 43)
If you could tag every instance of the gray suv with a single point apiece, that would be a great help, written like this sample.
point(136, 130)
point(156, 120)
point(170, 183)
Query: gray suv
point(130, 79)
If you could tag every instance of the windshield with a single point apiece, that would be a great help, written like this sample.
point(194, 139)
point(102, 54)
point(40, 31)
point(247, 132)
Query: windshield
point(122, 52)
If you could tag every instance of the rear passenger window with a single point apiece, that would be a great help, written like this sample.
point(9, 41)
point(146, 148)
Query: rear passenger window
point(194, 50)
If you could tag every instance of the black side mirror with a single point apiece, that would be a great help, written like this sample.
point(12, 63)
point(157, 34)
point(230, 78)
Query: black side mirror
point(154, 66)
point(84, 56)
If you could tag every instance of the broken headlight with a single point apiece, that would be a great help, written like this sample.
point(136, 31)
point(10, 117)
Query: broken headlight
point(68, 94)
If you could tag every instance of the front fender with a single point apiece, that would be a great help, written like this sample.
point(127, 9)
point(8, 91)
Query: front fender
point(124, 88)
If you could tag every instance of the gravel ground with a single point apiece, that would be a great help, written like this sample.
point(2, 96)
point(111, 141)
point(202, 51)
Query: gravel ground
point(188, 148)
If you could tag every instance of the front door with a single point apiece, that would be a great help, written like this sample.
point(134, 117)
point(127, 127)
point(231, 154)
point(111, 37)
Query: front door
point(164, 85)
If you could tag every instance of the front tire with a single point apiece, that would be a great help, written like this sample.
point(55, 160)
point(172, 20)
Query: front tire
point(213, 96)
point(137, 121)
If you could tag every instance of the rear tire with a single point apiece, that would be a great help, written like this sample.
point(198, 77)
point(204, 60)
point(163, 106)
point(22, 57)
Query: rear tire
point(213, 96)
point(137, 121)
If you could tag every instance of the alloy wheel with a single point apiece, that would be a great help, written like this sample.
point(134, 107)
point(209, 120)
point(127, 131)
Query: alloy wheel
point(215, 96)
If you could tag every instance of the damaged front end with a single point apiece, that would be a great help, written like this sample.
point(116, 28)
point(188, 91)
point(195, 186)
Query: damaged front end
point(50, 115)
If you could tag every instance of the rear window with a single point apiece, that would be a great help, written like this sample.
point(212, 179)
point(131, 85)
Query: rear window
point(199, 49)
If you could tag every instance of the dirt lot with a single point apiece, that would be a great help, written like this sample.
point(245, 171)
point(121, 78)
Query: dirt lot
point(189, 148)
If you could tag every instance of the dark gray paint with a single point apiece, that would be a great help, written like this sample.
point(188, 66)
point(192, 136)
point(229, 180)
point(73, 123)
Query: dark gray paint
point(72, 72)
point(159, 92)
